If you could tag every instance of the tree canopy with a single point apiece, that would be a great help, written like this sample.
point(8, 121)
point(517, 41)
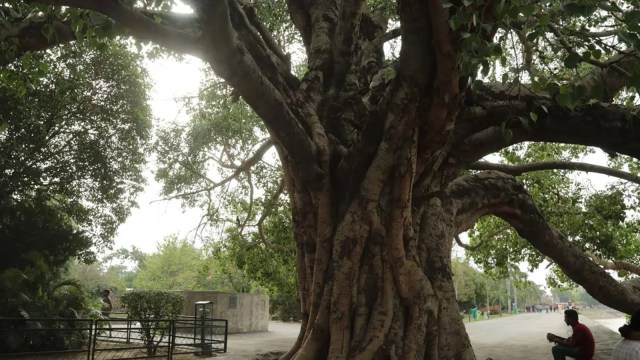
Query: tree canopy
point(383, 116)
point(75, 126)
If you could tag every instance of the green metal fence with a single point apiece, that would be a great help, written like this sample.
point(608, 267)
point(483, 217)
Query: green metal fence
point(113, 338)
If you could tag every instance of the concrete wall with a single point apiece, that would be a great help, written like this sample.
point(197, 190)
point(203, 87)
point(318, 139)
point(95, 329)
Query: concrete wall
point(250, 313)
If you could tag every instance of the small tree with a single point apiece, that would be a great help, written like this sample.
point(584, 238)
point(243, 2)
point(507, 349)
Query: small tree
point(154, 310)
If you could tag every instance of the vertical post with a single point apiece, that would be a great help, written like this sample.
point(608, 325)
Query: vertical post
point(89, 345)
point(487, 293)
point(95, 337)
point(202, 332)
point(515, 299)
point(509, 294)
point(195, 322)
point(128, 328)
point(226, 332)
point(172, 337)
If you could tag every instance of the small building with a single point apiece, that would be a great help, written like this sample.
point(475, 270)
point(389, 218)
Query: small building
point(245, 312)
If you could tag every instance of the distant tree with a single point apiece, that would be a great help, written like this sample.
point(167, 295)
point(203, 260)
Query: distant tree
point(177, 265)
point(267, 257)
point(467, 281)
point(98, 276)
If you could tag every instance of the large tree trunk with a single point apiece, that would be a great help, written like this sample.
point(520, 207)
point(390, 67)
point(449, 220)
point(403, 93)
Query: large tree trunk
point(374, 269)
point(374, 241)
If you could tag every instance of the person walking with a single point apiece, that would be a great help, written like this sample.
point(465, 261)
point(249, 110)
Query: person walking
point(107, 306)
point(628, 348)
point(580, 345)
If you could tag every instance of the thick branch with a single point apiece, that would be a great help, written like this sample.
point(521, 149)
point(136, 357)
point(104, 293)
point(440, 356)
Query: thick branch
point(299, 11)
point(27, 35)
point(477, 195)
point(480, 131)
point(517, 170)
point(136, 23)
point(615, 265)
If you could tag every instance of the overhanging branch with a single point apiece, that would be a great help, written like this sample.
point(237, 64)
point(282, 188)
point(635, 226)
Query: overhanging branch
point(136, 23)
point(500, 117)
point(495, 193)
point(27, 35)
point(517, 170)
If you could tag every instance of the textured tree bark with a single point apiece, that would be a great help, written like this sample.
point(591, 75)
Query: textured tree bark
point(374, 269)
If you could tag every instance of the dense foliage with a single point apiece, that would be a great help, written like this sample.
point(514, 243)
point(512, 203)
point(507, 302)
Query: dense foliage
point(74, 129)
point(40, 296)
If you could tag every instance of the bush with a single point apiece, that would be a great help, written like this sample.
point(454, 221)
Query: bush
point(38, 292)
point(154, 310)
point(287, 307)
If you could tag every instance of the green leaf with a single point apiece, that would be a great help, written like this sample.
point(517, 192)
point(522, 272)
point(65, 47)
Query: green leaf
point(628, 38)
point(525, 122)
point(507, 134)
point(528, 10)
point(564, 100)
point(607, 6)
point(571, 61)
point(533, 116)
point(632, 17)
point(47, 31)
point(477, 84)
point(581, 91)
point(544, 19)
point(3, 127)
point(532, 36)
point(565, 89)
point(597, 92)
point(553, 88)
point(596, 53)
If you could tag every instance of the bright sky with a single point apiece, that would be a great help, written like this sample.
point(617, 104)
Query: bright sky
point(154, 219)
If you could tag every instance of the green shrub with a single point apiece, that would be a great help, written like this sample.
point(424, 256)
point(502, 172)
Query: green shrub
point(154, 310)
point(40, 291)
point(286, 306)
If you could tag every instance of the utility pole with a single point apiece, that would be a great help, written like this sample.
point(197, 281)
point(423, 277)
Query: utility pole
point(515, 297)
point(487, 292)
point(509, 293)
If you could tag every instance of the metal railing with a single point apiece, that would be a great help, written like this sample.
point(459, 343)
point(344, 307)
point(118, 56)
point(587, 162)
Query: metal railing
point(113, 338)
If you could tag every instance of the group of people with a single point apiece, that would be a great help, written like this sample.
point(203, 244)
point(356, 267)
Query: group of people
point(581, 344)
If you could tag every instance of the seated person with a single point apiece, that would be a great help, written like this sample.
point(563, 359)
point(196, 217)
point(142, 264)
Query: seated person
point(628, 348)
point(580, 345)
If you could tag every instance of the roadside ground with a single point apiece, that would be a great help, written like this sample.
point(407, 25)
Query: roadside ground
point(521, 337)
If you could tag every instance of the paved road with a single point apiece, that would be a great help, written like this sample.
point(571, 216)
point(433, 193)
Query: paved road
point(519, 337)
point(523, 337)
